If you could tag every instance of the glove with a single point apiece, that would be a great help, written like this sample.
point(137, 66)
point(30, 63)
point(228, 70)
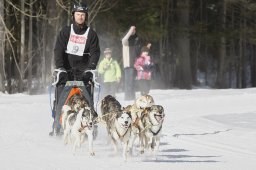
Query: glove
point(91, 66)
point(87, 76)
point(62, 69)
point(148, 67)
point(60, 76)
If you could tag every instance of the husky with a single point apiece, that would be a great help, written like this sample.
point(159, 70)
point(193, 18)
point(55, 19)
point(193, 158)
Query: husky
point(78, 119)
point(137, 112)
point(73, 105)
point(79, 124)
point(77, 101)
point(153, 122)
point(118, 123)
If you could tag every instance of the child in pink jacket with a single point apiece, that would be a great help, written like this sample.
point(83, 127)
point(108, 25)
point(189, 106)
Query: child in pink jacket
point(144, 66)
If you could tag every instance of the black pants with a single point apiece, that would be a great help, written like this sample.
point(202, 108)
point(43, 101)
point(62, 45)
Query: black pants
point(108, 88)
point(129, 92)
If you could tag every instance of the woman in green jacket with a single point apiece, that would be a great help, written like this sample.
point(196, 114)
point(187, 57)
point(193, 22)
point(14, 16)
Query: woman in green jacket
point(111, 73)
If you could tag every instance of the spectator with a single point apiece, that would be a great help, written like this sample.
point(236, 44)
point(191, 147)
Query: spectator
point(130, 44)
point(144, 67)
point(111, 73)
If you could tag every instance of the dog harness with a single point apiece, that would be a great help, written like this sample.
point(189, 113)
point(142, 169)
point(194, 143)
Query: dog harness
point(155, 133)
point(121, 136)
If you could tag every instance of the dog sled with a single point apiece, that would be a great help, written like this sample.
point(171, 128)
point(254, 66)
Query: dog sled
point(70, 89)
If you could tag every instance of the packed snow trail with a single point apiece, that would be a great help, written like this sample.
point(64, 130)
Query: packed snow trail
point(203, 129)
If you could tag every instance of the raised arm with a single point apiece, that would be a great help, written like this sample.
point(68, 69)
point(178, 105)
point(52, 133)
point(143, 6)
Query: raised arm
point(131, 31)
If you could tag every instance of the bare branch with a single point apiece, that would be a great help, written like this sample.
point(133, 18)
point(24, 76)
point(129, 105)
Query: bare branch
point(13, 53)
point(6, 29)
point(61, 4)
point(39, 14)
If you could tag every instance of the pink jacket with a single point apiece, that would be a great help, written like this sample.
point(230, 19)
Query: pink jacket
point(143, 66)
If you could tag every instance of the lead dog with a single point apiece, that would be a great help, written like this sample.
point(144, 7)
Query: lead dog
point(137, 109)
point(118, 123)
point(153, 122)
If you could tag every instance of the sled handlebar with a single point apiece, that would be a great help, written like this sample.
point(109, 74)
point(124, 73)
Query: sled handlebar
point(57, 77)
point(93, 76)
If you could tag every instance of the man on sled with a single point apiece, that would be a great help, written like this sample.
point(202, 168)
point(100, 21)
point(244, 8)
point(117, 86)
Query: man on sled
point(76, 51)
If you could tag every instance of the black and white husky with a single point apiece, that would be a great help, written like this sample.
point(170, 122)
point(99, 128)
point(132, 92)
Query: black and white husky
point(118, 123)
point(74, 104)
point(77, 126)
point(77, 120)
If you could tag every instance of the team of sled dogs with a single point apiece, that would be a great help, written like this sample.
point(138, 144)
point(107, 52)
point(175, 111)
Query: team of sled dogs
point(142, 119)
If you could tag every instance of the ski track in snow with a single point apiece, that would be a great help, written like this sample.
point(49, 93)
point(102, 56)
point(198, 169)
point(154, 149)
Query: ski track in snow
point(203, 129)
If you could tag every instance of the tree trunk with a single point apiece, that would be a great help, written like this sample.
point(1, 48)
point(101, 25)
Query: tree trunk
point(253, 66)
point(2, 42)
point(222, 72)
point(232, 61)
point(43, 63)
point(239, 62)
point(52, 28)
point(244, 58)
point(185, 79)
point(163, 45)
point(241, 56)
point(30, 49)
point(22, 47)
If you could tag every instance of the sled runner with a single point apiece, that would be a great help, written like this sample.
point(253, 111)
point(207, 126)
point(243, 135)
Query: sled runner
point(70, 89)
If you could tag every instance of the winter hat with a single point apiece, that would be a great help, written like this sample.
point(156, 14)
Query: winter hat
point(144, 49)
point(107, 50)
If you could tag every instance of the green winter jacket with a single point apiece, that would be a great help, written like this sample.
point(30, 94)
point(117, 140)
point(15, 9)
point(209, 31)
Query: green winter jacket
point(110, 70)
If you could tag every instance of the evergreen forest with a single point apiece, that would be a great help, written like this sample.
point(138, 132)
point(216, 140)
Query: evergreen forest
point(195, 43)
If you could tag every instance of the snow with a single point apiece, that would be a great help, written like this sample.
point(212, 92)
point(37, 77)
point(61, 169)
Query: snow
point(204, 129)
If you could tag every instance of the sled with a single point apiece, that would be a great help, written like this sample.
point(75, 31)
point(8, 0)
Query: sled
point(71, 88)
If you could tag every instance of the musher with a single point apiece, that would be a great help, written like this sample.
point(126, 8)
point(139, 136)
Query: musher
point(76, 50)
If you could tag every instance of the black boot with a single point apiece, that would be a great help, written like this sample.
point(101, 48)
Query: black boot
point(56, 130)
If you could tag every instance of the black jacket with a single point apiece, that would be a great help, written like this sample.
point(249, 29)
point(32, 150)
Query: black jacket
point(74, 62)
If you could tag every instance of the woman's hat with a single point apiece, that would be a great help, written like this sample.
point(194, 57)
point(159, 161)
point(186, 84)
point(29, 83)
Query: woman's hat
point(107, 50)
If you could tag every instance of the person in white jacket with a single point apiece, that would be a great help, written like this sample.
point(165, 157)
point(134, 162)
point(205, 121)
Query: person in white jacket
point(131, 49)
